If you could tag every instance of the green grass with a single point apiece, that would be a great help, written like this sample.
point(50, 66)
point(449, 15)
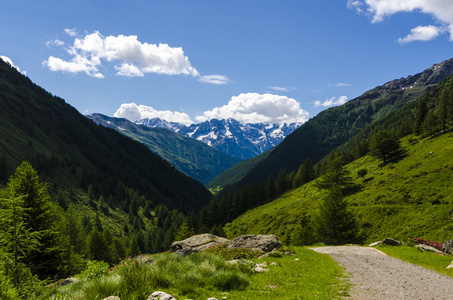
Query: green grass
point(405, 199)
point(428, 260)
point(304, 275)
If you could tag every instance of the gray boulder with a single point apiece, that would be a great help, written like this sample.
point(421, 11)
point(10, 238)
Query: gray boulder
point(265, 243)
point(448, 247)
point(161, 296)
point(197, 243)
point(391, 242)
point(112, 298)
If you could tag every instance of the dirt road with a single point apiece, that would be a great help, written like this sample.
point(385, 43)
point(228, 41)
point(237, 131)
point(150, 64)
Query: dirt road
point(376, 275)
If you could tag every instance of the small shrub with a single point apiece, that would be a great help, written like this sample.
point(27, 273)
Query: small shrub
point(95, 269)
point(275, 254)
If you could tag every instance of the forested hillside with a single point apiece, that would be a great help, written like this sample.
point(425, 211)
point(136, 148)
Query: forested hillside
point(69, 150)
point(333, 127)
point(192, 157)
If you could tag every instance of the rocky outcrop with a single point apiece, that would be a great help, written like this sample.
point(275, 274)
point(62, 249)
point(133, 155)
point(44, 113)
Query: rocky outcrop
point(197, 243)
point(265, 243)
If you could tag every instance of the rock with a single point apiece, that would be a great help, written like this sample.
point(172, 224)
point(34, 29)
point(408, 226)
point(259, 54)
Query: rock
point(212, 298)
point(275, 264)
point(391, 242)
point(375, 244)
point(161, 296)
point(424, 247)
point(112, 298)
point(450, 266)
point(197, 243)
point(69, 280)
point(265, 243)
point(448, 247)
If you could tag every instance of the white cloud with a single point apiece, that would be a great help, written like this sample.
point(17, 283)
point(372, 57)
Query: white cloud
point(71, 31)
point(214, 79)
point(10, 62)
point(441, 10)
point(341, 84)
point(332, 101)
point(258, 108)
point(133, 57)
point(279, 89)
point(134, 112)
point(421, 33)
point(55, 43)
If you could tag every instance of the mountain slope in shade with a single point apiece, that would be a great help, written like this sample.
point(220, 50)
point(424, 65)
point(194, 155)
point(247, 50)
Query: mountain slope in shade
point(333, 127)
point(69, 150)
point(192, 157)
point(230, 136)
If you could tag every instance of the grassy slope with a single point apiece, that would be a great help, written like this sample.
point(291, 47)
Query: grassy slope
point(406, 199)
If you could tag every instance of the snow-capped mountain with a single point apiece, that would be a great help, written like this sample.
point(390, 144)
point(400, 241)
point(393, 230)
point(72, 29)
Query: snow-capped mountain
point(230, 136)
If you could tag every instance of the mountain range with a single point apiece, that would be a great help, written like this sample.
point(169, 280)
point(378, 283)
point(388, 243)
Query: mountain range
point(230, 136)
point(190, 156)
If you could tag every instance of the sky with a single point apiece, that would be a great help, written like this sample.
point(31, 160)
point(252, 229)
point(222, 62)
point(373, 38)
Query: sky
point(258, 61)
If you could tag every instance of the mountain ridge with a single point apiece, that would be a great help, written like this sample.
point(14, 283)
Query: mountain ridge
point(243, 140)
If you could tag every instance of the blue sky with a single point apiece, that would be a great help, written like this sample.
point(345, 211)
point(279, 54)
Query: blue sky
point(253, 60)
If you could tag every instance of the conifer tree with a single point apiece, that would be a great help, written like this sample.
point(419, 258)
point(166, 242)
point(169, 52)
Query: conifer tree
point(39, 216)
point(421, 112)
point(97, 245)
point(385, 145)
point(336, 223)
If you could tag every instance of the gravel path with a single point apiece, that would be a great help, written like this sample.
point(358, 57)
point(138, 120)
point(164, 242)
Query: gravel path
point(376, 275)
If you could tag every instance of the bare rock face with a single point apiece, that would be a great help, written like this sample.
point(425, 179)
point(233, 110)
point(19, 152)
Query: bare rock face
point(265, 243)
point(197, 243)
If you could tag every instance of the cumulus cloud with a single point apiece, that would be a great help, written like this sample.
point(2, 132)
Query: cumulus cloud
point(10, 62)
point(214, 79)
point(441, 10)
point(258, 108)
point(133, 57)
point(421, 33)
point(332, 101)
point(134, 112)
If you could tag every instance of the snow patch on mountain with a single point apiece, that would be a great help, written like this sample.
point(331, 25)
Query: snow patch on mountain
point(230, 136)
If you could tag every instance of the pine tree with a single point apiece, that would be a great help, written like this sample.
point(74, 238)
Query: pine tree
point(97, 245)
point(16, 239)
point(421, 112)
point(39, 216)
point(336, 223)
point(385, 145)
point(184, 232)
point(443, 110)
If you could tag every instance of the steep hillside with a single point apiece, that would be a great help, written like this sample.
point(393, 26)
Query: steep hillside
point(406, 199)
point(236, 172)
point(334, 126)
point(192, 157)
point(69, 150)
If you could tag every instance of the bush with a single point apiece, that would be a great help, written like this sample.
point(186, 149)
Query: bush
point(95, 269)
